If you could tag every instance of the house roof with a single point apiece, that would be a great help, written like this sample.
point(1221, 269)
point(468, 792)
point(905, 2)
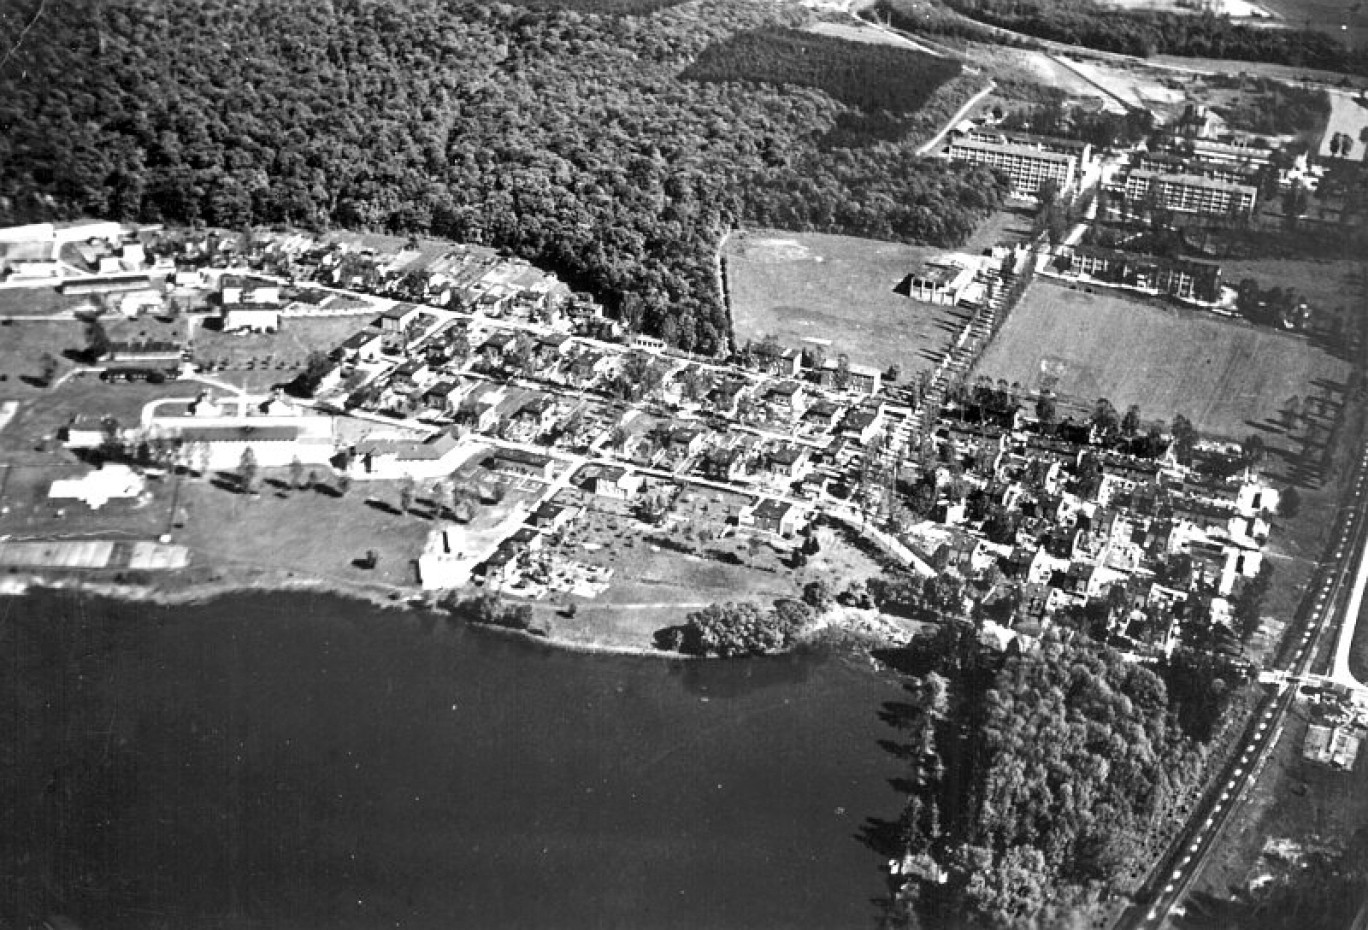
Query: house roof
point(360, 340)
point(245, 433)
point(772, 509)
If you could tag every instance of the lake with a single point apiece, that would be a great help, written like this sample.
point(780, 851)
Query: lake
point(306, 761)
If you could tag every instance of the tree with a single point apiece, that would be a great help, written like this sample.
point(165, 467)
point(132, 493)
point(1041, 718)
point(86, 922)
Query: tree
point(1104, 417)
point(296, 473)
point(1253, 449)
point(1184, 437)
point(247, 471)
point(48, 369)
point(1289, 504)
point(311, 481)
point(406, 493)
point(1046, 410)
point(344, 483)
point(97, 340)
point(372, 559)
point(818, 595)
point(1130, 423)
point(316, 367)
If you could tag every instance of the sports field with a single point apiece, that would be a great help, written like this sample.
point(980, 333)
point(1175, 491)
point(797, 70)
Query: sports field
point(799, 286)
point(1228, 378)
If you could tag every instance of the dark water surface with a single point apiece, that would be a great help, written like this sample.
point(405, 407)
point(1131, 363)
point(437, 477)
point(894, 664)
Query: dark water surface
point(302, 761)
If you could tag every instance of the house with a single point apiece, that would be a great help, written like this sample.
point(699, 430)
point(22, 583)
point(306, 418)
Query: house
point(244, 289)
point(787, 463)
point(725, 464)
point(444, 395)
point(777, 360)
point(539, 412)
point(499, 347)
point(775, 516)
point(364, 346)
point(525, 539)
point(610, 481)
point(503, 567)
point(1035, 599)
point(399, 318)
point(941, 281)
point(410, 375)
point(787, 397)
point(434, 457)
point(723, 397)
point(550, 516)
point(683, 441)
point(482, 406)
point(256, 318)
point(649, 343)
point(822, 415)
point(864, 422)
point(520, 463)
point(858, 379)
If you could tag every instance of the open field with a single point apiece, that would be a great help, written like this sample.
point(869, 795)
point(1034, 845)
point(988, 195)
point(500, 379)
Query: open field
point(813, 286)
point(1324, 15)
point(39, 301)
point(1226, 377)
point(1348, 116)
point(313, 534)
point(22, 344)
point(258, 361)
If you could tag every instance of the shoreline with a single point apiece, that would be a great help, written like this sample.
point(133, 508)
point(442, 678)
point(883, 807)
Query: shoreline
point(389, 599)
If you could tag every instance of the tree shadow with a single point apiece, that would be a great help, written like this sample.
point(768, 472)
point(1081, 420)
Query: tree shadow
point(880, 836)
point(382, 506)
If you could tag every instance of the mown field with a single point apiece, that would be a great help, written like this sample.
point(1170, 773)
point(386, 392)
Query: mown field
point(800, 286)
point(1228, 378)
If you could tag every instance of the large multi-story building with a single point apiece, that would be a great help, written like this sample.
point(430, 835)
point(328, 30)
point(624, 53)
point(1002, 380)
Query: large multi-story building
point(1161, 163)
point(1029, 167)
point(1190, 193)
point(1186, 278)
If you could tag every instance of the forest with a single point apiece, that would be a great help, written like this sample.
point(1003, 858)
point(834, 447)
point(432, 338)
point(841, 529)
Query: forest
point(1036, 780)
point(564, 137)
point(1139, 32)
point(863, 75)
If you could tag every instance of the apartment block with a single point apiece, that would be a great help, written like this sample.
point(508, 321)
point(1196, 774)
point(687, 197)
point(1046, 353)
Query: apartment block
point(1028, 167)
point(1190, 193)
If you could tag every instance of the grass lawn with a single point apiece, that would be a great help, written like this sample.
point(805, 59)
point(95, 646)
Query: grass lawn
point(38, 301)
point(1228, 378)
point(808, 285)
point(258, 361)
point(22, 344)
point(306, 533)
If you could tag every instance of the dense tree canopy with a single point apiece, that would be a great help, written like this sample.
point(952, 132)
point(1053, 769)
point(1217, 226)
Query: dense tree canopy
point(1036, 778)
point(566, 137)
